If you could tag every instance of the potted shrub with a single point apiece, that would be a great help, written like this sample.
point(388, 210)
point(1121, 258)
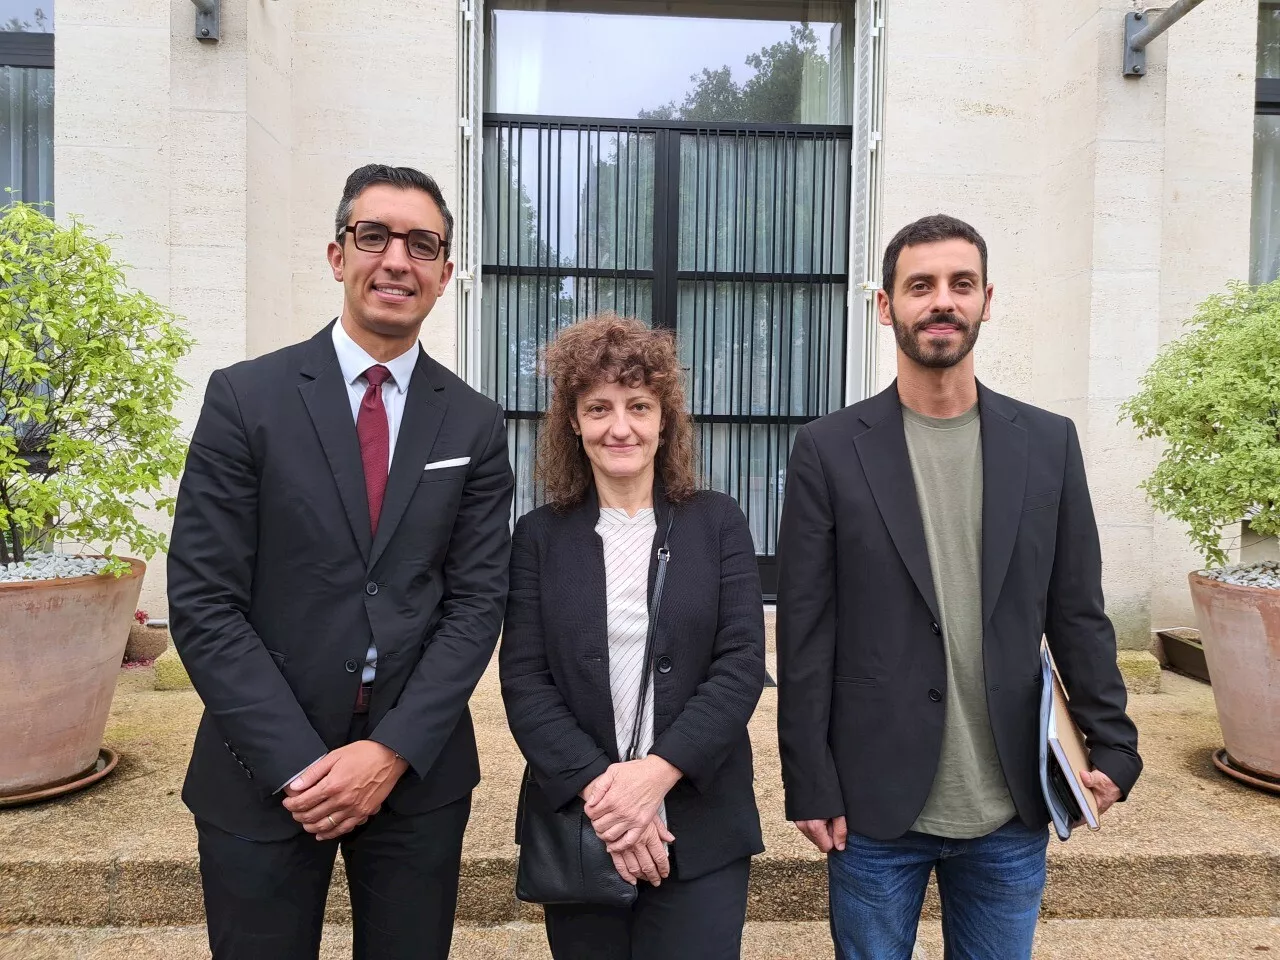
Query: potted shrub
point(87, 441)
point(1213, 397)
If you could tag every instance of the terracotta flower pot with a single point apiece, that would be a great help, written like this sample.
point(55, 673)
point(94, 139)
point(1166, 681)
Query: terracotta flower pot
point(61, 642)
point(1240, 630)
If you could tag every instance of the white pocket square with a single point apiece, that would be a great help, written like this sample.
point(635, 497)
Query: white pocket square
point(441, 464)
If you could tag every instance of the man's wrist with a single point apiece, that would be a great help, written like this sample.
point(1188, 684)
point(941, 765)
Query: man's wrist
point(392, 757)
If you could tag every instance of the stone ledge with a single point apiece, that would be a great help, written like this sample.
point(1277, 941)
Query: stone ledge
point(1188, 843)
point(170, 674)
point(1140, 669)
point(167, 892)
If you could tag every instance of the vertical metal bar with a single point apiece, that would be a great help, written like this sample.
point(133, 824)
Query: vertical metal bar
point(667, 229)
point(661, 190)
point(739, 288)
point(787, 148)
point(813, 357)
point(754, 159)
point(512, 229)
point(706, 388)
point(620, 212)
point(837, 307)
point(577, 225)
point(777, 228)
point(559, 257)
point(817, 264)
point(595, 291)
point(846, 171)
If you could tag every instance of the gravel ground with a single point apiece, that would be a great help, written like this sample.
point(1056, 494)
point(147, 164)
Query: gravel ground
point(51, 566)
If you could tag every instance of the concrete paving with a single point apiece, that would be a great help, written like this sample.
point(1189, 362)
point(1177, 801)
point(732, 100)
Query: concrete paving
point(1190, 843)
point(1233, 939)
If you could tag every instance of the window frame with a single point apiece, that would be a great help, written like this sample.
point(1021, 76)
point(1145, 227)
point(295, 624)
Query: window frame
point(26, 50)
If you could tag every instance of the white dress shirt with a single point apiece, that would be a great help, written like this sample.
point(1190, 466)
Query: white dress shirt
point(354, 362)
point(627, 542)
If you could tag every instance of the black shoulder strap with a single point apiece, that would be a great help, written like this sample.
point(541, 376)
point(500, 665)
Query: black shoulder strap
point(664, 554)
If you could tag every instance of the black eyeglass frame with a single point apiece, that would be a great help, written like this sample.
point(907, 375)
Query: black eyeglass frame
point(392, 235)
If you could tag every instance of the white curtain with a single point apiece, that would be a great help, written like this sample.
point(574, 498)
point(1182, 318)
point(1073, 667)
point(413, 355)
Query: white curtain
point(1264, 257)
point(26, 134)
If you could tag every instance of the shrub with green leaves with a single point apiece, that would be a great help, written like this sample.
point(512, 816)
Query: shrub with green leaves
point(1213, 397)
point(87, 385)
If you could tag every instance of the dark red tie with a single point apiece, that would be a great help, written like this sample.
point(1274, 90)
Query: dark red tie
point(375, 440)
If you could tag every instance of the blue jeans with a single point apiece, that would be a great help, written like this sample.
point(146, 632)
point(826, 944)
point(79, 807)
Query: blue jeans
point(990, 889)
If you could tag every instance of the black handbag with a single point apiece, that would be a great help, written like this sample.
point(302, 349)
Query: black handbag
point(562, 861)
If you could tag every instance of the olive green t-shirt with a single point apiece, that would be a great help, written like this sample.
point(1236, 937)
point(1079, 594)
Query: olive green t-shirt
point(969, 797)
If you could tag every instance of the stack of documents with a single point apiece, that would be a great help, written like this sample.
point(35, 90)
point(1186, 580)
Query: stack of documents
point(1062, 757)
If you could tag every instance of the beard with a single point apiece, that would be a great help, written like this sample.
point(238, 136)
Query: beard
point(928, 351)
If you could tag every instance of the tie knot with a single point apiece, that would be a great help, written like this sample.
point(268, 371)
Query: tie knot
point(377, 375)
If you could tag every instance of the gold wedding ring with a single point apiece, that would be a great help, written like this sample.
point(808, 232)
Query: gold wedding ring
point(329, 817)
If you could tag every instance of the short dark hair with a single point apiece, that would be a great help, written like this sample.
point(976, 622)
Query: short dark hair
point(406, 178)
point(931, 229)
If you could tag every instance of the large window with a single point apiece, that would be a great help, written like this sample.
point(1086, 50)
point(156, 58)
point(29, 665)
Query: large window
point(691, 170)
point(26, 100)
point(1264, 260)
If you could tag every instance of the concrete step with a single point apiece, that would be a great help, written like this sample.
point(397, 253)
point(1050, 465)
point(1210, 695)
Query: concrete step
point(1229, 939)
point(1189, 843)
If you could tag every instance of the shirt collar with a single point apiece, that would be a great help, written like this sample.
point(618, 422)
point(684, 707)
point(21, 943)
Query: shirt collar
point(354, 361)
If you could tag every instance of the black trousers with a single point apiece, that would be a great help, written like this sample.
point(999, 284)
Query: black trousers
point(265, 901)
point(699, 919)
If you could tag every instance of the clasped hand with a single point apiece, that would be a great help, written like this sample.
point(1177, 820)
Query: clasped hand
point(622, 804)
point(344, 788)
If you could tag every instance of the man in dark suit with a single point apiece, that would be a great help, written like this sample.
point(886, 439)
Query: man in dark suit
point(930, 537)
point(337, 577)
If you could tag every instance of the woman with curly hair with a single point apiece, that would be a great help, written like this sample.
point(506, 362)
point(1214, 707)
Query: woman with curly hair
point(633, 655)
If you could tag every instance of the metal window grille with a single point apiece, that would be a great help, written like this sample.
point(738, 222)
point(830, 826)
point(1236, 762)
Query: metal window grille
point(734, 235)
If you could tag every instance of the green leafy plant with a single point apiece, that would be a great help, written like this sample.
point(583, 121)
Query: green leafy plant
point(1213, 397)
point(87, 384)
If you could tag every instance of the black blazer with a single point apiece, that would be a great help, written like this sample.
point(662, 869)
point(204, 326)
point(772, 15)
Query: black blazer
point(276, 585)
point(862, 670)
point(708, 675)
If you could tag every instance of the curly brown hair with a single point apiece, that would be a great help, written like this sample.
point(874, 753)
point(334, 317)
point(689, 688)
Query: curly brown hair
point(609, 348)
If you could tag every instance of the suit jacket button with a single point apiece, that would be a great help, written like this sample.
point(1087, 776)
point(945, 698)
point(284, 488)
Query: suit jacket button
point(351, 666)
point(371, 588)
point(664, 664)
point(935, 696)
point(937, 630)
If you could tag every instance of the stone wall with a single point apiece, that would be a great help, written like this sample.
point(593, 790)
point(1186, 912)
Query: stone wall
point(1111, 205)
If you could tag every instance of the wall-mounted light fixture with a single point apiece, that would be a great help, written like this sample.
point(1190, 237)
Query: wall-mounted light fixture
point(1140, 28)
point(207, 19)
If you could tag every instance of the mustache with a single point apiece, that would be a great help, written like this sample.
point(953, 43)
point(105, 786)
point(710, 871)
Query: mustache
point(955, 319)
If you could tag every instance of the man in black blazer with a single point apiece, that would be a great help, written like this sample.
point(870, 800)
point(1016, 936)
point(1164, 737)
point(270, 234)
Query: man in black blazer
point(337, 577)
point(930, 536)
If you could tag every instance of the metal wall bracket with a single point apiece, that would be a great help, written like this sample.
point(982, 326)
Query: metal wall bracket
point(207, 19)
point(1140, 29)
point(1135, 61)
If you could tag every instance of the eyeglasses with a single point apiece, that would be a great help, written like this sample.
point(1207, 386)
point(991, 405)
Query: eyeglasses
point(373, 237)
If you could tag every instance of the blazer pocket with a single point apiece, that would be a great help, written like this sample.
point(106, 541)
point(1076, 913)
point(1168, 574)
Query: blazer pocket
point(859, 681)
point(446, 464)
point(444, 473)
point(1039, 500)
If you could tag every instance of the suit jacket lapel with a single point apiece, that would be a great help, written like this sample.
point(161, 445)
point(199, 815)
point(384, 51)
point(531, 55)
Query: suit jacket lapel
point(424, 410)
point(882, 450)
point(1004, 482)
point(325, 394)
